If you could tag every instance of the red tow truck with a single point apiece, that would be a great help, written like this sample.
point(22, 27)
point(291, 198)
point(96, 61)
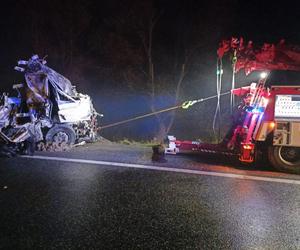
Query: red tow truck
point(267, 122)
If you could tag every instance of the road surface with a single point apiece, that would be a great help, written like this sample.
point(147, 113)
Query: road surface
point(107, 196)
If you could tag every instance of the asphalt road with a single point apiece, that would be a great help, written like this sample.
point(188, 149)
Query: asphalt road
point(55, 204)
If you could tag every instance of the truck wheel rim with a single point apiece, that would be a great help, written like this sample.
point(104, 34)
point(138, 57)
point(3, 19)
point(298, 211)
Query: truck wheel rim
point(61, 137)
point(290, 155)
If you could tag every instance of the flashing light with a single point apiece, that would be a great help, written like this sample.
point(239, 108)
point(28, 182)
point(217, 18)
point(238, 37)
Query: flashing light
point(248, 146)
point(258, 110)
point(272, 125)
point(263, 75)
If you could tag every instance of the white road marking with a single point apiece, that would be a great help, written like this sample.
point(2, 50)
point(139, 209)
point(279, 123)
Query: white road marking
point(167, 169)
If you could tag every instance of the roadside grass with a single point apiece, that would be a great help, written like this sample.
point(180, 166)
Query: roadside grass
point(209, 138)
point(145, 143)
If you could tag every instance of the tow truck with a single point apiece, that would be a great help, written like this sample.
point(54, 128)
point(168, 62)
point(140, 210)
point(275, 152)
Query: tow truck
point(267, 122)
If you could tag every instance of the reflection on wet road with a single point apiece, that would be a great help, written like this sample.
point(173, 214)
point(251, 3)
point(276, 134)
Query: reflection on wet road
point(67, 205)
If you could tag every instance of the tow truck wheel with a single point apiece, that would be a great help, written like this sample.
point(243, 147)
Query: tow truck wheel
point(61, 134)
point(285, 159)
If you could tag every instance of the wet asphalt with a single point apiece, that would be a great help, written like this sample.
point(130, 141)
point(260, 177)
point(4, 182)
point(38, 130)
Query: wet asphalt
point(60, 205)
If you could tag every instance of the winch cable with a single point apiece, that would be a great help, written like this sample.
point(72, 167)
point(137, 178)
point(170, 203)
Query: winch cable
point(219, 89)
point(184, 105)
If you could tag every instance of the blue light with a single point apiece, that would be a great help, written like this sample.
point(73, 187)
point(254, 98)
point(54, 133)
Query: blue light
point(258, 110)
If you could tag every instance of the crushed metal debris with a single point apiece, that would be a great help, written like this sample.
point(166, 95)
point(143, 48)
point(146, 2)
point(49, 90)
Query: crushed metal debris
point(46, 114)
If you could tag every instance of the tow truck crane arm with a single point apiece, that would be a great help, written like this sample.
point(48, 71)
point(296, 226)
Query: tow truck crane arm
point(266, 57)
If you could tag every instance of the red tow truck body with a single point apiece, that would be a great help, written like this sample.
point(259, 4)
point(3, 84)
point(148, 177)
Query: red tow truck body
point(268, 120)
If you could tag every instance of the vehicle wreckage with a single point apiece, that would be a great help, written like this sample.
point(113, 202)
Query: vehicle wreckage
point(47, 109)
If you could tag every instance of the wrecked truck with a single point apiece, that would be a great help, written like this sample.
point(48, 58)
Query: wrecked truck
point(47, 108)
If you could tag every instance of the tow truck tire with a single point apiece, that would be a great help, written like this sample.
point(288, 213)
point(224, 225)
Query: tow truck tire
point(67, 132)
point(285, 159)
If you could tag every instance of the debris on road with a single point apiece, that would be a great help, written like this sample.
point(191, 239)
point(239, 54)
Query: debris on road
point(158, 154)
point(79, 144)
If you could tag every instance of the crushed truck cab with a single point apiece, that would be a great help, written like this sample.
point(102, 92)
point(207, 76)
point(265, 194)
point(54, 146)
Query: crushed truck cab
point(48, 107)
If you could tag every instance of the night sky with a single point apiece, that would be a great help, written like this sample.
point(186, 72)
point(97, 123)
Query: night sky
point(100, 45)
